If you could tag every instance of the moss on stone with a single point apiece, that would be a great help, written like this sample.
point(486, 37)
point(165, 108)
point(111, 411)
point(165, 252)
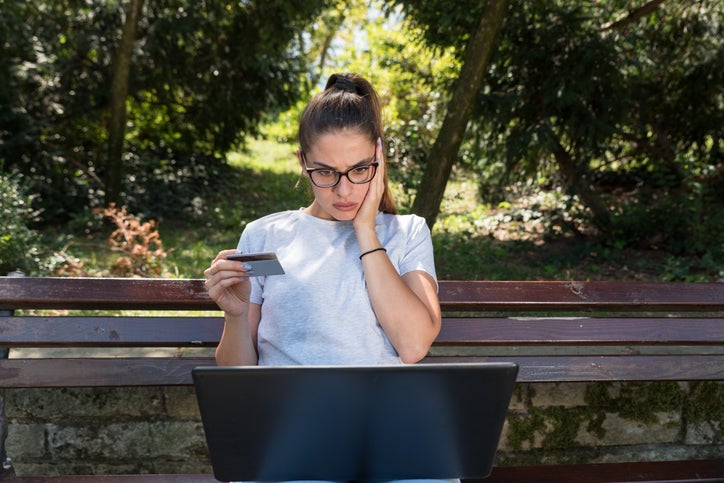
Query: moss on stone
point(558, 427)
point(523, 428)
point(564, 426)
point(705, 402)
point(595, 423)
point(554, 427)
point(637, 401)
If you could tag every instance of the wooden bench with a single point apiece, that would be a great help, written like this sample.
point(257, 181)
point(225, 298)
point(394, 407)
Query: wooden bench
point(558, 332)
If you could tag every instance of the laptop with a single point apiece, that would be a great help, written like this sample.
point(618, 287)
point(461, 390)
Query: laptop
point(353, 422)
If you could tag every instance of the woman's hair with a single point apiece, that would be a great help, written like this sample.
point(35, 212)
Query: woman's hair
point(348, 102)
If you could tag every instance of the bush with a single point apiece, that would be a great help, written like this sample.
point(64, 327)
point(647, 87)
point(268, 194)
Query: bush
point(19, 244)
point(685, 224)
point(165, 184)
point(140, 245)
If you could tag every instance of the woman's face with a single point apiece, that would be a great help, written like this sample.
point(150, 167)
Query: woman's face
point(339, 151)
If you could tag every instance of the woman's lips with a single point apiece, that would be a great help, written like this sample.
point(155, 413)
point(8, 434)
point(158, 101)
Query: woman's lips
point(345, 206)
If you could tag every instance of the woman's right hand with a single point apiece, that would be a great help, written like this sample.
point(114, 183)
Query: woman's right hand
point(227, 283)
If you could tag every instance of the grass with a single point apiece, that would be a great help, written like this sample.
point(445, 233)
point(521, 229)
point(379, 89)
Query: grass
point(472, 241)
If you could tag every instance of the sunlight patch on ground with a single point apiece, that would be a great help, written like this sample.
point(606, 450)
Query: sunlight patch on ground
point(265, 155)
point(528, 217)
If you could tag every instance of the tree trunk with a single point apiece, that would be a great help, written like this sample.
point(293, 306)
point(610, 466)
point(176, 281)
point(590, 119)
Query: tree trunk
point(119, 91)
point(576, 179)
point(444, 151)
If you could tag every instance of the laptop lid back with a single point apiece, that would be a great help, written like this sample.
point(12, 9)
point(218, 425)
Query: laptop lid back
point(353, 423)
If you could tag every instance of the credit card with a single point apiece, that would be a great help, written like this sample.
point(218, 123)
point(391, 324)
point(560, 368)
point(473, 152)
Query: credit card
point(263, 264)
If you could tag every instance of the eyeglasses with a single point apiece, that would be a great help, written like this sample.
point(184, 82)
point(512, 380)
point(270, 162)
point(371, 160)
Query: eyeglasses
point(328, 178)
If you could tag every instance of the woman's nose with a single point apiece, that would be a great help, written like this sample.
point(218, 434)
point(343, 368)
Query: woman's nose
point(344, 186)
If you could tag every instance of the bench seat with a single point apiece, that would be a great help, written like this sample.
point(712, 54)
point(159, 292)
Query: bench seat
point(558, 333)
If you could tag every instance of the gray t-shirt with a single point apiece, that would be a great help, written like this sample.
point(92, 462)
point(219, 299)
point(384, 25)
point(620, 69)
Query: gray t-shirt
point(319, 312)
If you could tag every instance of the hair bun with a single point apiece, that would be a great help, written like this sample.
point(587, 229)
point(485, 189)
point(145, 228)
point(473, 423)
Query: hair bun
point(345, 84)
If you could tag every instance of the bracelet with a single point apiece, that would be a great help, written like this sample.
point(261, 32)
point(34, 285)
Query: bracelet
point(372, 251)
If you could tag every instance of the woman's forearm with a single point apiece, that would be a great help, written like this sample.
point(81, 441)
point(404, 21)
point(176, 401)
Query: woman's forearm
point(236, 347)
point(406, 306)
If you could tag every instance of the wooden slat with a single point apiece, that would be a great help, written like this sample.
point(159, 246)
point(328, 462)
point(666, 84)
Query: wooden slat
point(546, 295)
point(700, 471)
point(78, 372)
point(103, 293)
point(611, 331)
point(140, 331)
point(110, 331)
point(606, 367)
point(177, 294)
point(72, 372)
point(197, 478)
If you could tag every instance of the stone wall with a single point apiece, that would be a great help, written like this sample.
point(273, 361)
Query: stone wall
point(109, 430)
point(602, 422)
point(157, 430)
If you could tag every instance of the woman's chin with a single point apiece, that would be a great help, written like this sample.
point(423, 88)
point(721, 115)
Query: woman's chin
point(332, 214)
point(344, 216)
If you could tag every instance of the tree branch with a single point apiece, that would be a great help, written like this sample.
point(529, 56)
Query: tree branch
point(633, 15)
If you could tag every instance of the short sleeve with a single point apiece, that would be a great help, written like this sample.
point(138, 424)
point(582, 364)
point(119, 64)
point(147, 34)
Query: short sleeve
point(419, 250)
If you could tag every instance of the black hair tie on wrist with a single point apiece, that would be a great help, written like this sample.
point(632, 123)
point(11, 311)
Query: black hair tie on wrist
point(345, 84)
point(380, 249)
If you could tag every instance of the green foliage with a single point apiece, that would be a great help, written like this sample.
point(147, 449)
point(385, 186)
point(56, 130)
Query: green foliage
point(471, 241)
point(204, 75)
point(19, 247)
point(613, 98)
point(637, 106)
point(415, 86)
point(490, 260)
point(443, 24)
point(221, 66)
point(168, 184)
point(50, 90)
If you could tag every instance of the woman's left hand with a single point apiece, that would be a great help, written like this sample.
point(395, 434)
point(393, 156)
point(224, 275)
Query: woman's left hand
point(367, 214)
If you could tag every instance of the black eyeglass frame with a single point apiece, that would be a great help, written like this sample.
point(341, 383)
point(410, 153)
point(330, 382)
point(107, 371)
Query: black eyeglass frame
point(373, 165)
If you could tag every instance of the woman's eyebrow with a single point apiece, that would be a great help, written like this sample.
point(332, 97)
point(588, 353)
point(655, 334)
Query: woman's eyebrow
point(369, 160)
point(358, 163)
point(322, 165)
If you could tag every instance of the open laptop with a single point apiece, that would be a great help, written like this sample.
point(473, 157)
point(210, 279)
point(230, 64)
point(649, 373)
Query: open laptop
point(353, 423)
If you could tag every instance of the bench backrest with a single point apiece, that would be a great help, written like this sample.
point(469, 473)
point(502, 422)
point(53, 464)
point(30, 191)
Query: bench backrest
point(556, 331)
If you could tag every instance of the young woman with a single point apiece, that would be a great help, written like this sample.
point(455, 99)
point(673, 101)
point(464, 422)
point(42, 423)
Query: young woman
point(360, 284)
